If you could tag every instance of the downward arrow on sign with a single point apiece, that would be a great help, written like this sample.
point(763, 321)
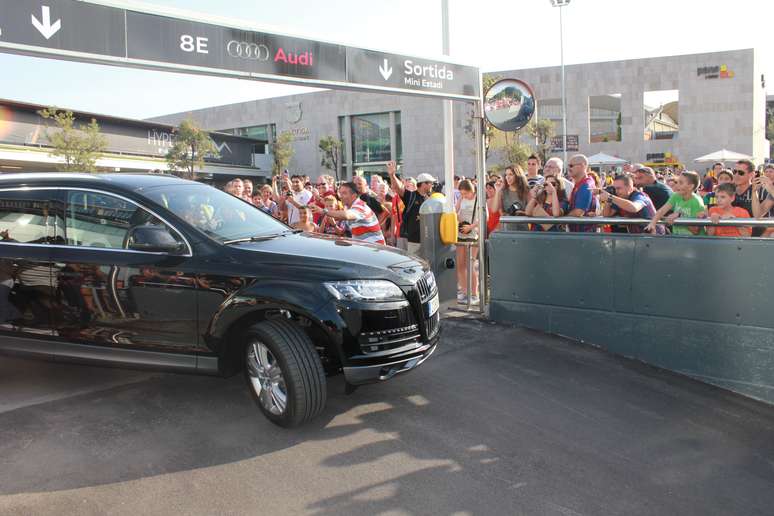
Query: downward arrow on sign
point(386, 70)
point(45, 28)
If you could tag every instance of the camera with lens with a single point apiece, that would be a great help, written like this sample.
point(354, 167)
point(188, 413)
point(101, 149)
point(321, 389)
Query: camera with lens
point(517, 208)
point(610, 190)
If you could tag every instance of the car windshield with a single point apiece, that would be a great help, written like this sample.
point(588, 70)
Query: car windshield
point(221, 216)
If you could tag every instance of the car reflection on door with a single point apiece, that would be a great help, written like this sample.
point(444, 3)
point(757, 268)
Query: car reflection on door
point(110, 295)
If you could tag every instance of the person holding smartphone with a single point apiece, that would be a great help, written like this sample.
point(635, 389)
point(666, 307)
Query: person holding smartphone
point(763, 197)
point(296, 198)
point(548, 200)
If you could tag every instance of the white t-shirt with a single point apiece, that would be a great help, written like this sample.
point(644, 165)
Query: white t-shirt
point(303, 198)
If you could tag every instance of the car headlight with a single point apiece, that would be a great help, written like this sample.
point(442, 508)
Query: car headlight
point(365, 290)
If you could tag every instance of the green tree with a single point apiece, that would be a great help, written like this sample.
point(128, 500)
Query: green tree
point(331, 154)
point(489, 130)
point(542, 130)
point(282, 150)
point(79, 144)
point(516, 153)
point(191, 145)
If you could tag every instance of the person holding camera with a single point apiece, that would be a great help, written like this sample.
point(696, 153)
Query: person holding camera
point(512, 195)
point(624, 200)
point(548, 200)
point(467, 215)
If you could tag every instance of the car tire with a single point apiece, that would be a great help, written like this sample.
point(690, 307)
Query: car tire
point(284, 373)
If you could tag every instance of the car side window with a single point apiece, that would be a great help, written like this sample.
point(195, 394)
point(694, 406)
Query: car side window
point(101, 220)
point(29, 217)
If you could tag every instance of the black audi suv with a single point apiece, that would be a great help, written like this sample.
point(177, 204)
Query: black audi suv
point(148, 270)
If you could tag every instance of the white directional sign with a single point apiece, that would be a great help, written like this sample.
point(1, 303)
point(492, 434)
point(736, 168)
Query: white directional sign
point(386, 70)
point(411, 73)
point(45, 27)
point(124, 36)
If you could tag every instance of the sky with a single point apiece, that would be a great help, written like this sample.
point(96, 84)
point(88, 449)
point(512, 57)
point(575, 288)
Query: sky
point(490, 34)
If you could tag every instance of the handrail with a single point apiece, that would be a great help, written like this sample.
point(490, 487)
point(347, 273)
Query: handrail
point(623, 221)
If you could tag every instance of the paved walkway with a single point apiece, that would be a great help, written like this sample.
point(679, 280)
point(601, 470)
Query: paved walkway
point(500, 421)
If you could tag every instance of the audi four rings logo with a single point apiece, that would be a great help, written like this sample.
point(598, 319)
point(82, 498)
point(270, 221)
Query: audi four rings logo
point(250, 51)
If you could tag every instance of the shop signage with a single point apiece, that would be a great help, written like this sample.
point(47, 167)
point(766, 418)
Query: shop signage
point(300, 134)
point(24, 126)
point(93, 32)
point(715, 72)
point(572, 143)
point(660, 157)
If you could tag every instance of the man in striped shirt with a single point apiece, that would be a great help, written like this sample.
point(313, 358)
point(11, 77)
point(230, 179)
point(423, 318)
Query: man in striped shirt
point(360, 219)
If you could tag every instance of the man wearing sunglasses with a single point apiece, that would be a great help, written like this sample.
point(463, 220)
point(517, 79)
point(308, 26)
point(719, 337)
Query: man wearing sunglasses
point(743, 178)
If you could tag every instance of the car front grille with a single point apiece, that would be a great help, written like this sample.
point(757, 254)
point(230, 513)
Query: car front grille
point(426, 287)
point(378, 341)
point(384, 330)
point(432, 325)
point(401, 328)
point(383, 320)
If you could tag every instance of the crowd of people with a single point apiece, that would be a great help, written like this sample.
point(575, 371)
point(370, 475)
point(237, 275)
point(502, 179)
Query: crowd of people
point(386, 210)
point(638, 192)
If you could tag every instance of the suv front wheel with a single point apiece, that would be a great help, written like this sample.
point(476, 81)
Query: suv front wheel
point(284, 373)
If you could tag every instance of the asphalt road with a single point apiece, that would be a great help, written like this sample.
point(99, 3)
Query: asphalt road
point(500, 421)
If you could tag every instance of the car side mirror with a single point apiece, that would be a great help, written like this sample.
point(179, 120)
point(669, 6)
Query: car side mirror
point(153, 239)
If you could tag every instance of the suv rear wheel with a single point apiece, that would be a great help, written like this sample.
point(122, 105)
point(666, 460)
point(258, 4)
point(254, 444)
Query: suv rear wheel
point(284, 373)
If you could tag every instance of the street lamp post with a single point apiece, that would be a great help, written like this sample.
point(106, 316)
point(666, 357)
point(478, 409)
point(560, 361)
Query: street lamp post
point(448, 118)
point(560, 4)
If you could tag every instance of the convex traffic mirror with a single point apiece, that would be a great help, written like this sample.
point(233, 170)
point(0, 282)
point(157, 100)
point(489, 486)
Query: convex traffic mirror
point(509, 104)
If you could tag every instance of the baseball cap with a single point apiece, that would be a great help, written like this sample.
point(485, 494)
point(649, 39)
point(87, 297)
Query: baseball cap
point(425, 178)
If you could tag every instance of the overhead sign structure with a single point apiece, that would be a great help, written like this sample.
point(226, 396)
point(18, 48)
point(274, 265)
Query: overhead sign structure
point(404, 72)
point(93, 32)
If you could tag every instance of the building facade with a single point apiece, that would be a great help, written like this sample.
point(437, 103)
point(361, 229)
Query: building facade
point(373, 128)
point(661, 110)
point(657, 110)
point(130, 145)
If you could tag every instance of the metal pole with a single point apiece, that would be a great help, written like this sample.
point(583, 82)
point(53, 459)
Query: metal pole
point(564, 93)
point(480, 136)
point(448, 119)
point(469, 257)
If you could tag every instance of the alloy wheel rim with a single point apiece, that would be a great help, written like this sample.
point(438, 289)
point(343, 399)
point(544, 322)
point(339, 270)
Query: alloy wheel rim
point(266, 378)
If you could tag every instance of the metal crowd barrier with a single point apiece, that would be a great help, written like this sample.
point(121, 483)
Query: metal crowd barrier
point(506, 221)
point(700, 306)
point(623, 221)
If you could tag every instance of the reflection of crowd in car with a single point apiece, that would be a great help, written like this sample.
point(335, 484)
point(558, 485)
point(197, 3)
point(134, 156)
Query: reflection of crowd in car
point(21, 287)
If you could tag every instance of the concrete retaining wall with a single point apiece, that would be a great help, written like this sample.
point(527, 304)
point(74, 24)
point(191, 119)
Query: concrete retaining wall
point(703, 307)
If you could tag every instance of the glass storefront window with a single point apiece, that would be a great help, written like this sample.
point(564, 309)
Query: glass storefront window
point(263, 133)
point(342, 138)
point(371, 137)
point(398, 138)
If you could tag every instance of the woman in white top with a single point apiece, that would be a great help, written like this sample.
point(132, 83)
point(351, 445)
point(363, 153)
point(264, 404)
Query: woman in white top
point(467, 218)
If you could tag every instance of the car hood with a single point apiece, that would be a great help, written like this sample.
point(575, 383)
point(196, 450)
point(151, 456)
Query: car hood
point(339, 257)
